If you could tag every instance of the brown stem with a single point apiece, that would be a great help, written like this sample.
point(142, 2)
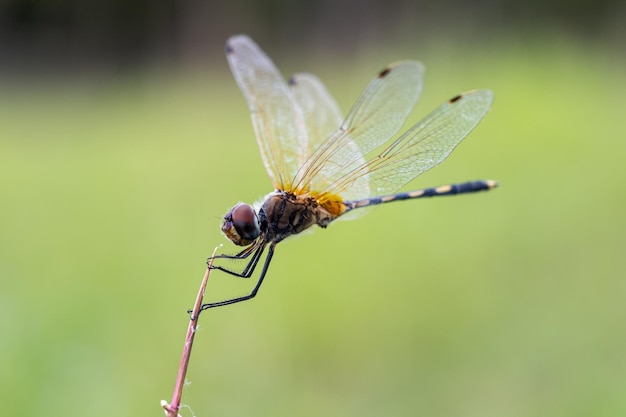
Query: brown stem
point(172, 408)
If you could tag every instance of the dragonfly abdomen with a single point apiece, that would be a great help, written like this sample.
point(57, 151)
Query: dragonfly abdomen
point(450, 189)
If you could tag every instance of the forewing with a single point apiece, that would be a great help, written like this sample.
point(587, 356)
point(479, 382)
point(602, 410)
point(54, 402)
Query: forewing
point(322, 116)
point(378, 114)
point(423, 146)
point(277, 120)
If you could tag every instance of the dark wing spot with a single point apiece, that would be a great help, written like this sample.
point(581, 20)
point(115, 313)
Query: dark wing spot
point(292, 80)
point(229, 49)
point(384, 73)
point(454, 99)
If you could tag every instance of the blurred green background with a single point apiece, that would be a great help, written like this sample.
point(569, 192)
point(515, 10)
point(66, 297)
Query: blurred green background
point(124, 139)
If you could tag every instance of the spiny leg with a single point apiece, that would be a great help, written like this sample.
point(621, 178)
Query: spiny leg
point(239, 255)
point(266, 265)
point(250, 266)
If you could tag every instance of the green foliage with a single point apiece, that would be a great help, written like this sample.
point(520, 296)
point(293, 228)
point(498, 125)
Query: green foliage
point(503, 303)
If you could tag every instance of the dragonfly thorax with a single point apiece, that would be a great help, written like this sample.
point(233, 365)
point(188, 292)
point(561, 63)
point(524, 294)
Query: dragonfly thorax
point(283, 214)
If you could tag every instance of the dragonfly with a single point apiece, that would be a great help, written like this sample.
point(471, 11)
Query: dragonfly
point(324, 167)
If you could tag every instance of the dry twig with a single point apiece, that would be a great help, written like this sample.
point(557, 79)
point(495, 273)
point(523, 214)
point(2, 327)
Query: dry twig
point(171, 409)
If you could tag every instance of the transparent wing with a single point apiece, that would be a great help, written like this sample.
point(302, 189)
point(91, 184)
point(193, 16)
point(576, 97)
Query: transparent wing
point(422, 147)
point(321, 114)
point(278, 122)
point(378, 114)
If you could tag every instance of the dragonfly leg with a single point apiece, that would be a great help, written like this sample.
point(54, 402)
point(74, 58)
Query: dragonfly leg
point(247, 271)
point(240, 255)
point(266, 265)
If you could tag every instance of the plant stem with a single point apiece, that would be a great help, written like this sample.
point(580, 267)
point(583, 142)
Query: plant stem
point(172, 408)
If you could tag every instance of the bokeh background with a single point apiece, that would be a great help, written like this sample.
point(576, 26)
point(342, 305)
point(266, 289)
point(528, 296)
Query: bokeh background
point(123, 139)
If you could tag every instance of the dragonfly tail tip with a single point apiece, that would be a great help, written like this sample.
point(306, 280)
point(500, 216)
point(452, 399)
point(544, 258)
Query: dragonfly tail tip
point(492, 184)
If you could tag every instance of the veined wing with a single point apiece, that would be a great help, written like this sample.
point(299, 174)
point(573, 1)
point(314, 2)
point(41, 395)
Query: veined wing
point(378, 114)
point(321, 114)
point(322, 117)
point(422, 147)
point(278, 123)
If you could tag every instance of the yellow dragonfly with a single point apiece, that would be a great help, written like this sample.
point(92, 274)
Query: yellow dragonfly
point(323, 166)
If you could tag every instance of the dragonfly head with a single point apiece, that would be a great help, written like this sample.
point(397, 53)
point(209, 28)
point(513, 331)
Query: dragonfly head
point(241, 224)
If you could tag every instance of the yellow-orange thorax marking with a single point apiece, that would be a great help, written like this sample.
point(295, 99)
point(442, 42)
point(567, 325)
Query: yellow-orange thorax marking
point(332, 203)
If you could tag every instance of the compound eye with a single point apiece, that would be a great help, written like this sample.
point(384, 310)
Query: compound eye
point(245, 222)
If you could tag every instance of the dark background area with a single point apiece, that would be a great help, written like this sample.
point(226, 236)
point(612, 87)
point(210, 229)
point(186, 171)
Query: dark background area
point(43, 35)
